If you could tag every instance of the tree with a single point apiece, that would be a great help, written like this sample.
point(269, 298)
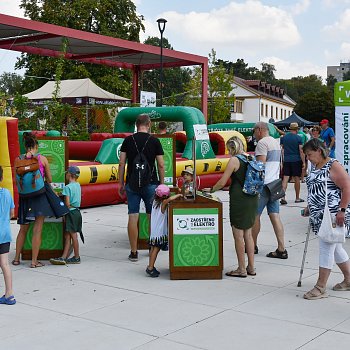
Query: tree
point(316, 105)
point(240, 69)
point(220, 95)
point(267, 73)
point(116, 18)
point(346, 75)
point(174, 79)
point(10, 84)
point(330, 81)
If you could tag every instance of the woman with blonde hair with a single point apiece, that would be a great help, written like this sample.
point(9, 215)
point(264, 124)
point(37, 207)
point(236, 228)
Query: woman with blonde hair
point(243, 208)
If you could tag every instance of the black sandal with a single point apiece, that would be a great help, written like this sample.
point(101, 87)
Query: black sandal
point(278, 254)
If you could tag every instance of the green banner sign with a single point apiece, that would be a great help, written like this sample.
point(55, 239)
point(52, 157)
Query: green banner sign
point(51, 236)
point(196, 237)
point(54, 151)
point(168, 148)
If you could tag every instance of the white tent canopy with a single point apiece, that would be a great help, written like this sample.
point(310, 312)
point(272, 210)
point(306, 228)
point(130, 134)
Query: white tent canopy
point(75, 91)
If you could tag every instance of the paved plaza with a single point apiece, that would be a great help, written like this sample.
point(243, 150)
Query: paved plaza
point(107, 302)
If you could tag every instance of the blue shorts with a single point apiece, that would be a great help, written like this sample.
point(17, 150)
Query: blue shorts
point(273, 207)
point(134, 198)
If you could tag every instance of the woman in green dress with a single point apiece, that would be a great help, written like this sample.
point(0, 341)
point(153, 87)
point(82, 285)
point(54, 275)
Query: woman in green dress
point(243, 208)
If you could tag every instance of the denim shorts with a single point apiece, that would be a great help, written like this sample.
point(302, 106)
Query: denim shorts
point(134, 198)
point(273, 207)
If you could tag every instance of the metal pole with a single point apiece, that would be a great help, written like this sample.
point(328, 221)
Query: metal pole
point(161, 26)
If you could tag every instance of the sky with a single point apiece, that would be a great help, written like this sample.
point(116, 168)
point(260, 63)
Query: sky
point(299, 37)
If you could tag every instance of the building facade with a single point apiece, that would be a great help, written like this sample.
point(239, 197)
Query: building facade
point(256, 100)
point(338, 71)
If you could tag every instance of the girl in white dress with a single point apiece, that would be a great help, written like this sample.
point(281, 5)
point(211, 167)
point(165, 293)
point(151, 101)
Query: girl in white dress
point(159, 226)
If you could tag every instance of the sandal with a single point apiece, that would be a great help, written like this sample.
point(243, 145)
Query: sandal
point(316, 292)
point(278, 254)
point(38, 264)
point(251, 272)
point(299, 200)
point(342, 286)
point(8, 301)
point(236, 273)
point(283, 202)
point(15, 262)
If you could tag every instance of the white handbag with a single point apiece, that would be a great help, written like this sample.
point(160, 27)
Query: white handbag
point(330, 232)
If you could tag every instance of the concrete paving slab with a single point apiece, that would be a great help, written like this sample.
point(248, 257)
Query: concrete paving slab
point(286, 305)
point(153, 315)
point(161, 344)
point(235, 330)
point(328, 340)
point(72, 333)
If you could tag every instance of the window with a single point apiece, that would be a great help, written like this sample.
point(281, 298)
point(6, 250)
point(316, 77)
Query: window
point(276, 112)
point(289, 113)
point(262, 110)
point(271, 112)
point(266, 111)
point(239, 106)
point(281, 113)
point(285, 114)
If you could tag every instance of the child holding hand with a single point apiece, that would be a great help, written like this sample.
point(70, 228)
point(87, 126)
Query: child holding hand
point(159, 226)
point(6, 212)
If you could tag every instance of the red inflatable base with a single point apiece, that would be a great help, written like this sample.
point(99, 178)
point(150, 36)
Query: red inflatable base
point(100, 194)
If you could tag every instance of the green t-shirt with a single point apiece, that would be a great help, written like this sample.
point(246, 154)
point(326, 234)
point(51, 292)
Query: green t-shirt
point(73, 191)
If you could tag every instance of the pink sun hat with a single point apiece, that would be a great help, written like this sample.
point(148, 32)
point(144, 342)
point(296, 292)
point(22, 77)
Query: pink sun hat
point(162, 191)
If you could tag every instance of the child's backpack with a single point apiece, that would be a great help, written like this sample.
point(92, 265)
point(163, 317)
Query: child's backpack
point(254, 176)
point(140, 172)
point(29, 181)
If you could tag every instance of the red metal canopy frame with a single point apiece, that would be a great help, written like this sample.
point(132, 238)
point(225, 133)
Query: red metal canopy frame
point(33, 37)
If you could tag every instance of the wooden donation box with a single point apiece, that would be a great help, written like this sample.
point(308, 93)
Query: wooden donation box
point(195, 238)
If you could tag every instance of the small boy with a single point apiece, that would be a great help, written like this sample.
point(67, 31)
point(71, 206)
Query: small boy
point(6, 212)
point(72, 199)
point(187, 186)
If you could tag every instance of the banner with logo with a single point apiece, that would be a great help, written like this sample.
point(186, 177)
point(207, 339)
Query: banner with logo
point(342, 113)
point(196, 237)
point(148, 99)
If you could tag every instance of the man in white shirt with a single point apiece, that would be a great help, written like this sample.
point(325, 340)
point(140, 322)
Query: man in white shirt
point(268, 150)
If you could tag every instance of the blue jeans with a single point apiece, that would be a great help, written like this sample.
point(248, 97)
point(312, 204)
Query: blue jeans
point(134, 198)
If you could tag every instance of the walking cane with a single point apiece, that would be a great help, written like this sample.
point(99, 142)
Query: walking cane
point(305, 251)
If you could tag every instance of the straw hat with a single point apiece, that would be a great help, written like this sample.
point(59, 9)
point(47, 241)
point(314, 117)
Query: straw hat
point(293, 126)
point(187, 170)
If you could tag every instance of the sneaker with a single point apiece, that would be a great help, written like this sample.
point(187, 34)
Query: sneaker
point(283, 202)
point(152, 273)
point(8, 301)
point(133, 256)
point(73, 260)
point(58, 261)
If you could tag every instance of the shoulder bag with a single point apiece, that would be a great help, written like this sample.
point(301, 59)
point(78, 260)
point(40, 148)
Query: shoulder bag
point(330, 232)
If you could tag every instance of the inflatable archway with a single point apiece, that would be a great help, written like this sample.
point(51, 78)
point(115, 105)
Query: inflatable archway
point(193, 122)
point(244, 128)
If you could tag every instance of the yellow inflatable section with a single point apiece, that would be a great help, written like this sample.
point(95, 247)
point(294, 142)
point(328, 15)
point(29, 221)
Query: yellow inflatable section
point(9, 149)
point(98, 174)
point(226, 135)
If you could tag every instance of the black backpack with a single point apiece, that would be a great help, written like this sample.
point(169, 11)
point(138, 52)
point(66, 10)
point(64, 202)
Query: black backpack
point(140, 173)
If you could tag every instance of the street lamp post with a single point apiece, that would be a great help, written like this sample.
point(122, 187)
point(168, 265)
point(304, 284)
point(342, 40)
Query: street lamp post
point(161, 26)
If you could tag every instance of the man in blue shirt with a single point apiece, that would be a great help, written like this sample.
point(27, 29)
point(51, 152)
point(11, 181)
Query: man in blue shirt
point(293, 160)
point(327, 134)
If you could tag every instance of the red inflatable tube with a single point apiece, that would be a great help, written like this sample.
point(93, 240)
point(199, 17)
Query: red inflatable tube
point(100, 136)
point(217, 142)
point(204, 181)
point(84, 150)
point(100, 194)
point(121, 135)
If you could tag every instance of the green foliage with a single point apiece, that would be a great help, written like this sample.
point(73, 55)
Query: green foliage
point(116, 18)
point(10, 84)
point(174, 79)
point(330, 81)
point(220, 96)
point(316, 105)
point(346, 76)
